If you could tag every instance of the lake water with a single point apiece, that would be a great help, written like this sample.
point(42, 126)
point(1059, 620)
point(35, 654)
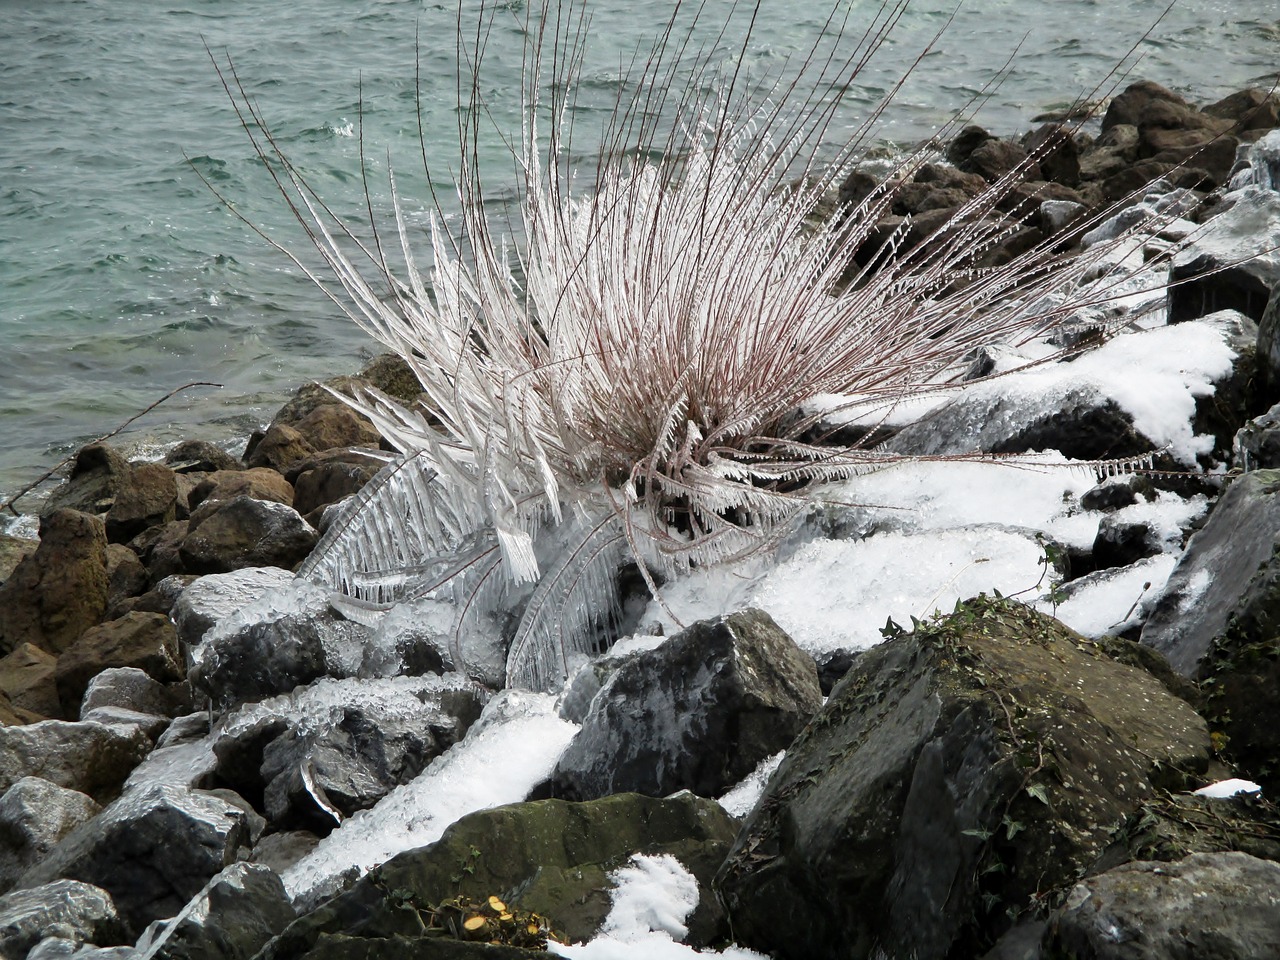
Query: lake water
point(122, 276)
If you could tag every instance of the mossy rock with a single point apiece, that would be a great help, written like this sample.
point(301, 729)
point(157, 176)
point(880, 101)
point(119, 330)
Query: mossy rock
point(1172, 827)
point(547, 857)
point(958, 778)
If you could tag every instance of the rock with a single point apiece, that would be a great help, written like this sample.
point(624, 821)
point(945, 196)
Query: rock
point(953, 775)
point(334, 425)
point(34, 815)
point(322, 753)
point(1056, 215)
point(994, 158)
point(244, 532)
point(260, 483)
point(147, 641)
point(1232, 264)
point(287, 638)
point(11, 716)
point(27, 678)
point(1220, 905)
point(152, 850)
point(12, 550)
point(1111, 495)
point(1177, 825)
point(58, 592)
point(280, 851)
point(393, 376)
point(232, 918)
point(80, 912)
point(549, 857)
point(96, 476)
point(1251, 109)
point(965, 142)
point(126, 575)
point(1215, 571)
point(133, 689)
point(159, 547)
point(146, 497)
point(341, 947)
point(1056, 152)
point(697, 713)
point(1257, 443)
point(199, 456)
point(92, 758)
point(1120, 543)
point(214, 597)
point(1147, 104)
point(328, 482)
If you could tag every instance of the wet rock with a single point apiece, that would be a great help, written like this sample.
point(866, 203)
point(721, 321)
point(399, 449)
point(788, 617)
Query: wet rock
point(1120, 543)
point(287, 638)
point(1257, 443)
point(280, 851)
point(393, 376)
point(215, 597)
point(78, 912)
point(159, 547)
point(60, 590)
point(1232, 264)
point(27, 678)
point(199, 456)
point(34, 815)
point(146, 497)
point(1219, 905)
point(1215, 571)
point(92, 758)
point(954, 774)
point(1056, 153)
point(550, 857)
point(259, 483)
point(320, 754)
point(244, 532)
point(11, 716)
point(698, 713)
point(131, 688)
point(994, 158)
point(152, 850)
point(147, 641)
point(232, 918)
point(1250, 109)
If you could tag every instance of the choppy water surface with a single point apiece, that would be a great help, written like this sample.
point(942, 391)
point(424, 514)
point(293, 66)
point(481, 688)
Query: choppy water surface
point(122, 276)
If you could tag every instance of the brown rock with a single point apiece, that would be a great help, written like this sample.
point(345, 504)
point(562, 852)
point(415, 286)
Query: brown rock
point(12, 550)
point(158, 549)
point(11, 716)
point(146, 497)
point(337, 425)
point(1214, 153)
point(1251, 109)
point(390, 374)
point(246, 533)
point(147, 641)
point(261, 483)
point(199, 456)
point(60, 590)
point(328, 483)
point(280, 447)
point(1022, 202)
point(95, 479)
point(1056, 152)
point(126, 575)
point(965, 142)
point(27, 679)
point(994, 158)
point(1142, 104)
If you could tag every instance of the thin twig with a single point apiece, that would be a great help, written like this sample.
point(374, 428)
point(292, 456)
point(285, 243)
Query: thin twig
point(8, 504)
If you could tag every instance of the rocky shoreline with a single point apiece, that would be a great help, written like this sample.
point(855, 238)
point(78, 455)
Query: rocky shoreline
point(184, 726)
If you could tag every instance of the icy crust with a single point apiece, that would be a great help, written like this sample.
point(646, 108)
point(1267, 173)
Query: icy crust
point(740, 800)
point(512, 748)
point(295, 598)
point(1110, 600)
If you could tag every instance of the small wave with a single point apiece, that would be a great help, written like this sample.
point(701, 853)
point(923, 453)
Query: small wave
point(347, 129)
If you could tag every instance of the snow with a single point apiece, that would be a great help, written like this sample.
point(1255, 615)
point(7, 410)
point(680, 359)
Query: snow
point(740, 799)
point(652, 899)
point(512, 748)
point(1106, 601)
point(1224, 789)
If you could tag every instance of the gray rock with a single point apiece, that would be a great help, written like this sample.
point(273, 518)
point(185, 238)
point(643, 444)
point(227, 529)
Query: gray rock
point(232, 918)
point(1219, 905)
point(698, 712)
point(73, 911)
point(244, 532)
point(218, 595)
point(287, 638)
point(954, 774)
point(152, 850)
point(93, 758)
point(34, 815)
point(280, 851)
point(151, 724)
point(1257, 443)
point(131, 688)
point(1233, 263)
point(143, 640)
point(1213, 572)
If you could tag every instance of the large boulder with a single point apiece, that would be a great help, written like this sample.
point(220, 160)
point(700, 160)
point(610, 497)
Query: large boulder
point(34, 815)
point(232, 918)
point(60, 590)
point(260, 483)
point(94, 758)
point(77, 912)
point(215, 597)
point(152, 850)
point(1215, 570)
point(1219, 905)
point(27, 678)
point(147, 641)
point(699, 712)
point(954, 775)
point(244, 532)
point(549, 857)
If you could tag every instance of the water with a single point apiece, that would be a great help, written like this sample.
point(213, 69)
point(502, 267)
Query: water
point(122, 276)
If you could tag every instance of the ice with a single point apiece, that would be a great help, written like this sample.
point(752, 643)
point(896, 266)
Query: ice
point(652, 898)
point(1224, 789)
point(1106, 601)
point(740, 800)
point(296, 598)
point(512, 748)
